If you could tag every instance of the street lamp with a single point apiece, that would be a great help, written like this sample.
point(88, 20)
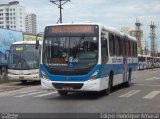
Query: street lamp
point(60, 3)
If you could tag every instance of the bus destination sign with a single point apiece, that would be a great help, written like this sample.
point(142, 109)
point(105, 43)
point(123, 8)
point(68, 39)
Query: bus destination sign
point(73, 29)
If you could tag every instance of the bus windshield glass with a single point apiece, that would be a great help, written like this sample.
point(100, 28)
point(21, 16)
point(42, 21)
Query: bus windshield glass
point(70, 52)
point(23, 56)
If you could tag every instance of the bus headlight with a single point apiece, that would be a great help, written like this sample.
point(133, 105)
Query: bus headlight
point(94, 76)
point(44, 75)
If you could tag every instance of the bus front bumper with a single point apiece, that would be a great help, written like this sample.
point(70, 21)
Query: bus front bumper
point(90, 85)
point(23, 77)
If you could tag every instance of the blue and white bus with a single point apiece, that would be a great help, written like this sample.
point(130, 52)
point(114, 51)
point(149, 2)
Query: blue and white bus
point(86, 57)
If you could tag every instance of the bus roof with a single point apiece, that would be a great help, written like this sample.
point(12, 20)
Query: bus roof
point(102, 27)
point(26, 42)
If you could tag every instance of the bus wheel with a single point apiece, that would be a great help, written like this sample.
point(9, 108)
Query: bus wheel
point(128, 83)
point(23, 81)
point(110, 85)
point(62, 92)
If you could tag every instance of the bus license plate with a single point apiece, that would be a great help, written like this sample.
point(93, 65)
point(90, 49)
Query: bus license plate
point(21, 78)
point(67, 88)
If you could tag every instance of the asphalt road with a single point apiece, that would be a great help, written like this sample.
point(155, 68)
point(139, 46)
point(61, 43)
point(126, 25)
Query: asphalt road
point(142, 97)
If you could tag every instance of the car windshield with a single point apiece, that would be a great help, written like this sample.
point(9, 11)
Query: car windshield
point(23, 57)
point(70, 52)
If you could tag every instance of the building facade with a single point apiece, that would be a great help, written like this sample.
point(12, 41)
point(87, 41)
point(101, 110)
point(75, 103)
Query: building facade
point(31, 23)
point(12, 16)
point(138, 34)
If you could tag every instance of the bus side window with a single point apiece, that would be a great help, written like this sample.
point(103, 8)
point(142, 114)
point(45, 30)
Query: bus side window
point(135, 49)
point(123, 46)
point(131, 46)
point(104, 46)
point(111, 45)
point(117, 46)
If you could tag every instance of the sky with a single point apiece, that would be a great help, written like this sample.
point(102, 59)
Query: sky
point(114, 13)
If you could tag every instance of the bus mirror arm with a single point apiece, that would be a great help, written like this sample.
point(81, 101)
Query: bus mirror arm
point(37, 44)
point(37, 41)
point(6, 52)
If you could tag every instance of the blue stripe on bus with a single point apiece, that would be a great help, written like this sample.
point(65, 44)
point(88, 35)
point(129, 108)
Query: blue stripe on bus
point(103, 72)
point(78, 78)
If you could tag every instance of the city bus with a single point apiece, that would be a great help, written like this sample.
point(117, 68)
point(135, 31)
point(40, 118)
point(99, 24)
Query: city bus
point(86, 57)
point(144, 62)
point(23, 61)
point(157, 62)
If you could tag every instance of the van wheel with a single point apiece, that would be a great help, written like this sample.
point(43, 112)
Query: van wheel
point(129, 82)
point(62, 92)
point(110, 85)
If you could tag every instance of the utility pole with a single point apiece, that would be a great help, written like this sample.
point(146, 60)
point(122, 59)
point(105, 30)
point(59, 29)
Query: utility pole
point(146, 46)
point(153, 38)
point(138, 34)
point(60, 3)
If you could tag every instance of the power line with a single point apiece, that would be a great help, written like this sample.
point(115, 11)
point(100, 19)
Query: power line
point(60, 3)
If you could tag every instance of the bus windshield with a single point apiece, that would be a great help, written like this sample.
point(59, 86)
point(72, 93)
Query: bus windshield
point(70, 53)
point(23, 56)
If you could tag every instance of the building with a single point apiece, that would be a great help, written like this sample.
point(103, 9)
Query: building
point(12, 16)
point(138, 34)
point(125, 30)
point(31, 23)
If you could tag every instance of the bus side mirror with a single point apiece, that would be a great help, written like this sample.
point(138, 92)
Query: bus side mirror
point(37, 44)
point(6, 54)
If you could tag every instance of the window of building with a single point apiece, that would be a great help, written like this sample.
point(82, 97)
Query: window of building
point(10, 9)
point(7, 9)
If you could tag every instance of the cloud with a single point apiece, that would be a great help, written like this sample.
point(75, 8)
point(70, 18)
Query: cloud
point(115, 13)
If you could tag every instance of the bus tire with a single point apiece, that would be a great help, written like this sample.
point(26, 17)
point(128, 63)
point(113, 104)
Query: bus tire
point(110, 85)
point(129, 82)
point(62, 92)
point(23, 81)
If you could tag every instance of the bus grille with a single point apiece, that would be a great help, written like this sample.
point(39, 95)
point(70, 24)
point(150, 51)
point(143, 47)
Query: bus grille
point(72, 85)
point(64, 71)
